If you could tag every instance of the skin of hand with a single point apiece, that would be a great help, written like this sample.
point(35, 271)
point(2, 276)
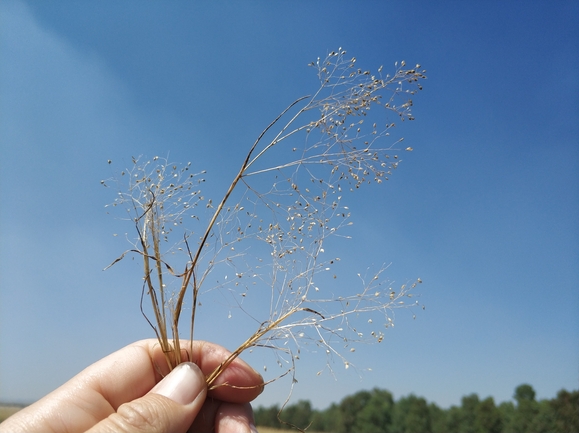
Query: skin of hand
point(133, 391)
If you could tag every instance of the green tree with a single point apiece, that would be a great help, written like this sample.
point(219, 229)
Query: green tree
point(329, 420)
point(524, 392)
point(544, 421)
point(507, 411)
point(566, 411)
point(335, 419)
point(376, 415)
point(453, 420)
point(438, 417)
point(350, 407)
point(526, 410)
point(468, 416)
point(375, 411)
point(299, 415)
point(267, 417)
point(488, 417)
point(411, 415)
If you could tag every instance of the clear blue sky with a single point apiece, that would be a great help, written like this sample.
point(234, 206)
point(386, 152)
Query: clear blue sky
point(485, 210)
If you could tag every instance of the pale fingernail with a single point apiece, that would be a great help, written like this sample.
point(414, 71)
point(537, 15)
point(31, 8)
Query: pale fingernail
point(183, 384)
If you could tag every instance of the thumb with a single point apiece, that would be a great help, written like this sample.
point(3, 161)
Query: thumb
point(171, 406)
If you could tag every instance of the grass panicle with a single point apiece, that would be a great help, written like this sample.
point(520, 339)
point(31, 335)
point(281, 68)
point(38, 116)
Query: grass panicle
point(273, 240)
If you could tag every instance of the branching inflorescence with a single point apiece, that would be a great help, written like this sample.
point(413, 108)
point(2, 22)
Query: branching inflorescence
point(272, 240)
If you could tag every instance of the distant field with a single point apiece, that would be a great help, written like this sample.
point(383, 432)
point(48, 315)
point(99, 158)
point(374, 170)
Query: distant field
point(7, 410)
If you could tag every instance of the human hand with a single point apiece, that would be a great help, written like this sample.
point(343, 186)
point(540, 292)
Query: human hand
point(126, 392)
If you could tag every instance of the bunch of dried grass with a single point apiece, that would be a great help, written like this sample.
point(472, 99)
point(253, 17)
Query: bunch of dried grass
point(286, 225)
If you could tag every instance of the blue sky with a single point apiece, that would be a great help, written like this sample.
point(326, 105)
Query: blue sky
point(484, 210)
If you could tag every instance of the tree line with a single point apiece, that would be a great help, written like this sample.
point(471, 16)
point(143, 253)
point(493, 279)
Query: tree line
point(376, 411)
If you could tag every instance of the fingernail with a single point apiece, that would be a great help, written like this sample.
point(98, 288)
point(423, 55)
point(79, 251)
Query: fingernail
point(183, 384)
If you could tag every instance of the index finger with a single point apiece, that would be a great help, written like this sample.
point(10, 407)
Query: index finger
point(132, 371)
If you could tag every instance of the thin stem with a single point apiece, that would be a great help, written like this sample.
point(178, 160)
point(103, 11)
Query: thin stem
point(232, 186)
point(251, 341)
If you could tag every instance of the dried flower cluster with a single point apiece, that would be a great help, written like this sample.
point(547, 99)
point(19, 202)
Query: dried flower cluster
point(270, 242)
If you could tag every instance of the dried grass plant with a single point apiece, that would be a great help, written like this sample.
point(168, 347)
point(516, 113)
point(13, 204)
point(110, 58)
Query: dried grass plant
point(271, 241)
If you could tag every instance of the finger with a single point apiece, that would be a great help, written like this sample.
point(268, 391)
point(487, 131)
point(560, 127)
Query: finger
point(205, 420)
point(235, 418)
point(134, 370)
point(239, 383)
point(224, 417)
point(171, 406)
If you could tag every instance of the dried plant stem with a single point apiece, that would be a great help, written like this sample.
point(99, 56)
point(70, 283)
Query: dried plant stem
point(160, 330)
point(303, 202)
point(190, 272)
point(251, 342)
